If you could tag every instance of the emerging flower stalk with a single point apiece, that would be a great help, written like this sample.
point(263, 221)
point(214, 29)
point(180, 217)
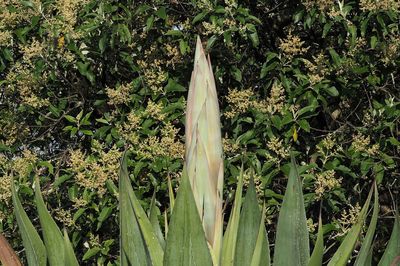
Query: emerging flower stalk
point(203, 156)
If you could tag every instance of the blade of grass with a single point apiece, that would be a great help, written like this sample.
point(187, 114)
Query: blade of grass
point(34, 247)
point(362, 258)
point(344, 251)
point(186, 242)
point(318, 252)
point(229, 241)
point(292, 232)
point(52, 236)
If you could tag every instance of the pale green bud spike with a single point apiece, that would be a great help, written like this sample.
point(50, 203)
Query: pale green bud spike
point(204, 148)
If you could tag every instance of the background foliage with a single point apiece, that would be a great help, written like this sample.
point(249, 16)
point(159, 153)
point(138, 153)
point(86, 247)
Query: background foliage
point(80, 81)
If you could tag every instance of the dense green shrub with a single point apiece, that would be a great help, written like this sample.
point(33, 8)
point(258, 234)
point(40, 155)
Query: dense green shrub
point(83, 80)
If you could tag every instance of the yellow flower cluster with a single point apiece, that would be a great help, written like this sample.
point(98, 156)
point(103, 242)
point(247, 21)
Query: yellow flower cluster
point(68, 11)
point(362, 143)
point(32, 50)
point(229, 146)
point(154, 75)
point(10, 18)
point(119, 95)
point(21, 79)
point(348, 218)
point(311, 225)
point(239, 100)
point(155, 110)
point(277, 146)
point(23, 165)
point(322, 5)
point(5, 189)
point(65, 217)
point(92, 173)
point(205, 4)
point(328, 147)
point(166, 145)
point(128, 130)
point(11, 131)
point(212, 28)
point(317, 69)
point(257, 183)
point(5, 37)
point(292, 46)
point(326, 181)
point(275, 103)
point(381, 5)
point(392, 50)
point(173, 54)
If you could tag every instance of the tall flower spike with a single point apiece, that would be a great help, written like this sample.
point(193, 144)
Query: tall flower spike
point(204, 148)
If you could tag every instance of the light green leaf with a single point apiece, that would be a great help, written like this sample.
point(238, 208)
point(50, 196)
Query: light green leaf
point(70, 259)
point(34, 247)
point(154, 221)
point(318, 252)
point(229, 241)
point(366, 248)
point(52, 235)
point(393, 247)
point(261, 254)
point(171, 195)
point(292, 232)
point(249, 224)
point(344, 251)
point(143, 225)
point(186, 241)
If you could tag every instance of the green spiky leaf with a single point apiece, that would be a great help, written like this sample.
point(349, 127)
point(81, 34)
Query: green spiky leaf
point(52, 236)
point(292, 231)
point(229, 242)
point(345, 249)
point(393, 247)
point(186, 243)
point(34, 247)
point(366, 248)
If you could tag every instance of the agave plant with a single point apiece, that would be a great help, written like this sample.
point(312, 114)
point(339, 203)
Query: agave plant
point(194, 234)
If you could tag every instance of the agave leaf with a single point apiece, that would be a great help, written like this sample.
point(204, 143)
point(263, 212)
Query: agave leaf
point(186, 242)
point(132, 246)
point(7, 253)
point(154, 221)
point(392, 250)
point(166, 225)
point(204, 148)
point(34, 247)
point(261, 255)
point(292, 232)
point(362, 258)
point(249, 224)
point(137, 236)
point(229, 242)
point(344, 251)
point(52, 236)
point(69, 255)
point(171, 195)
point(318, 252)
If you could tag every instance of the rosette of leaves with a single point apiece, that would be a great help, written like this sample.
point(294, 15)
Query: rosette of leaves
point(186, 241)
